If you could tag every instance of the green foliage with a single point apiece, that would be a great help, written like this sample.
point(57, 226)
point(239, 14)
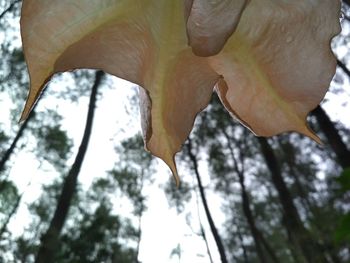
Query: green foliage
point(8, 197)
point(342, 233)
point(95, 239)
point(178, 197)
point(344, 180)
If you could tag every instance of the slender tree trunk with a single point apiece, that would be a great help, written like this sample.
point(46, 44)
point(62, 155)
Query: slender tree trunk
point(13, 145)
point(251, 222)
point(259, 240)
point(204, 236)
point(213, 228)
point(301, 238)
point(50, 240)
point(333, 137)
point(308, 203)
point(245, 253)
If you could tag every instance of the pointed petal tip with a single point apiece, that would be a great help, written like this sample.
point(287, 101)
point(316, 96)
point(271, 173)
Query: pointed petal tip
point(311, 134)
point(24, 115)
point(177, 180)
point(170, 162)
point(172, 166)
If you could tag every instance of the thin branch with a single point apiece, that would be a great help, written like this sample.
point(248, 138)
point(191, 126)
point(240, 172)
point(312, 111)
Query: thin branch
point(213, 228)
point(343, 67)
point(202, 229)
point(9, 8)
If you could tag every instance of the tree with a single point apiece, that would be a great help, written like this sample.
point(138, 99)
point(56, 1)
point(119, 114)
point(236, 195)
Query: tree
point(299, 235)
point(50, 239)
point(333, 137)
point(228, 167)
point(213, 228)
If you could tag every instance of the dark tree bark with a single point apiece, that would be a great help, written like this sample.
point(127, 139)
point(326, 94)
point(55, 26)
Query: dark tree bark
point(50, 240)
point(308, 202)
point(251, 222)
point(347, 2)
point(213, 228)
point(300, 237)
point(343, 67)
point(258, 237)
point(13, 145)
point(333, 137)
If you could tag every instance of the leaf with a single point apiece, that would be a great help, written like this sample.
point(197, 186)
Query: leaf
point(271, 60)
point(342, 232)
point(344, 180)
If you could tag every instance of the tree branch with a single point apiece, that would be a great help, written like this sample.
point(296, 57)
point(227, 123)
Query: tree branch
point(9, 8)
point(343, 67)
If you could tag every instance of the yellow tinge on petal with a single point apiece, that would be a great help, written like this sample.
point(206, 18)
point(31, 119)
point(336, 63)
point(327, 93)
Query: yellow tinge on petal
point(270, 60)
point(141, 41)
point(278, 64)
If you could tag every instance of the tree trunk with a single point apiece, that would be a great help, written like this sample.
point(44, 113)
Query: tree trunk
point(213, 229)
point(50, 240)
point(259, 239)
point(204, 236)
point(251, 222)
point(300, 237)
point(333, 137)
point(245, 253)
point(13, 145)
point(308, 203)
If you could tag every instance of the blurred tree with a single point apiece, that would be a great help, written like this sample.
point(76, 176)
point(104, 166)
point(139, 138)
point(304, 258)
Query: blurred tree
point(333, 137)
point(50, 239)
point(210, 219)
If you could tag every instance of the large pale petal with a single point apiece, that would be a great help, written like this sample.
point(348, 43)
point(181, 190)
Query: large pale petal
point(168, 122)
point(278, 64)
point(141, 41)
point(211, 23)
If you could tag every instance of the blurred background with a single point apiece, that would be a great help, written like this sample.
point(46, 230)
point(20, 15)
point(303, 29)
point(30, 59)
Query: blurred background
point(77, 186)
